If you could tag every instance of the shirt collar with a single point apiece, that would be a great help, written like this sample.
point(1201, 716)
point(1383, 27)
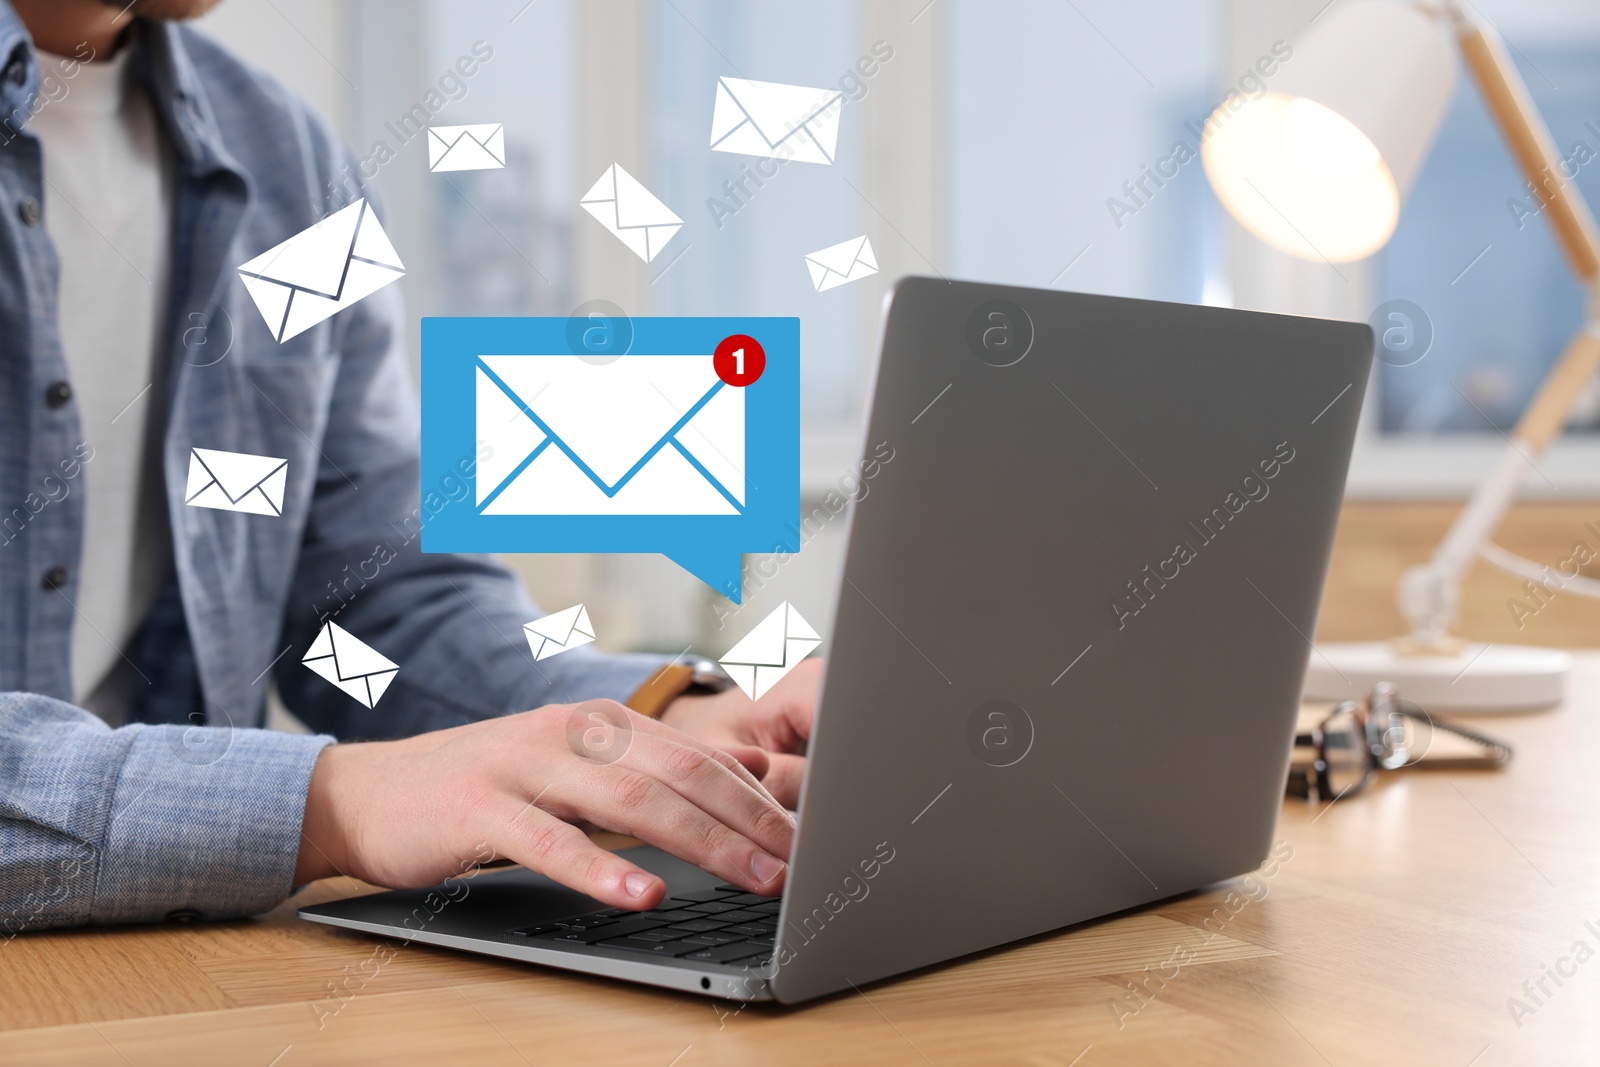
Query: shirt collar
point(160, 63)
point(19, 71)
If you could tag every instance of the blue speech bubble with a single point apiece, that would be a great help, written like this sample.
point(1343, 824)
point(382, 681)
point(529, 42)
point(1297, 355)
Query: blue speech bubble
point(464, 359)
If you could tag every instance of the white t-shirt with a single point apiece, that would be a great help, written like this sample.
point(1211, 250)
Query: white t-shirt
point(107, 207)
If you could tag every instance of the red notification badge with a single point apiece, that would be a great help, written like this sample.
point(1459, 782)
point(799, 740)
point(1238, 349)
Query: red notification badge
point(739, 360)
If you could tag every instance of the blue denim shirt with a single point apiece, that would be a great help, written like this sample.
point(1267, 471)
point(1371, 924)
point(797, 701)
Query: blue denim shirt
point(193, 810)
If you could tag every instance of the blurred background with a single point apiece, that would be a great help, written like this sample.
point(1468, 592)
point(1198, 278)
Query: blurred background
point(1002, 142)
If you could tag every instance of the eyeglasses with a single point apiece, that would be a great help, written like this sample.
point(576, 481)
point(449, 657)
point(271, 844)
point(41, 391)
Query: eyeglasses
point(1380, 732)
point(1356, 738)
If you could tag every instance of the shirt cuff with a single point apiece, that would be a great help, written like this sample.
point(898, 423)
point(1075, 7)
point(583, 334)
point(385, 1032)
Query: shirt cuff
point(205, 824)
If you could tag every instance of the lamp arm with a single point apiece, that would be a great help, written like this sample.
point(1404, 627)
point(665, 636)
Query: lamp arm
point(1508, 100)
point(1493, 495)
point(1428, 593)
point(1534, 149)
point(1541, 574)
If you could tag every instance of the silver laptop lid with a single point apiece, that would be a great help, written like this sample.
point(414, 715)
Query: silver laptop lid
point(1065, 665)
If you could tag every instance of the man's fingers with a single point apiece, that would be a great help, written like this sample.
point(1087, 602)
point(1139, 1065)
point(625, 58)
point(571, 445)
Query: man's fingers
point(751, 758)
point(564, 853)
point(723, 755)
point(703, 777)
point(783, 777)
point(789, 710)
point(637, 803)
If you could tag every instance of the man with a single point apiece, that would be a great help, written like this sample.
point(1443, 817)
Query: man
point(140, 165)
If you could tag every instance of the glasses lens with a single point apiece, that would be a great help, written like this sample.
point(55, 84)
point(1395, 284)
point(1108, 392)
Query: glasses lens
point(1387, 736)
point(1345, 748)
point(1418, 727)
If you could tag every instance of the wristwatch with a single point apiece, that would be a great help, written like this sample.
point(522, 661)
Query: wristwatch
point(684, 676)
point(707, 675)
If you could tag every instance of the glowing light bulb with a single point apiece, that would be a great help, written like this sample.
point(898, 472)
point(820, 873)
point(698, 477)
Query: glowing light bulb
point(1302, 177)
point(1325, 143)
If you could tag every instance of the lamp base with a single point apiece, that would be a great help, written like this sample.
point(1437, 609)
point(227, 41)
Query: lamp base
point(1487, 678)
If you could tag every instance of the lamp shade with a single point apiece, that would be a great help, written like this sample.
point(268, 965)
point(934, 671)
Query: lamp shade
point(1318, 165)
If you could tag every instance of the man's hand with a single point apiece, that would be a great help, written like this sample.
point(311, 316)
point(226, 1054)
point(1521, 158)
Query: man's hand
point(408, 813)
point(778, 724)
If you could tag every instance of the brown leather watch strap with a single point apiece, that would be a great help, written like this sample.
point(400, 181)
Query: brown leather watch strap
point(668, 683)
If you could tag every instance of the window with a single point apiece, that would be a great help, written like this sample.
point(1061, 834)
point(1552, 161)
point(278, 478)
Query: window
point(1474, 253)
point(989, 142)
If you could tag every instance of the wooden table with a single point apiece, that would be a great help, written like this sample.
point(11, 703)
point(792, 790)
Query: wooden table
point(1395, 933)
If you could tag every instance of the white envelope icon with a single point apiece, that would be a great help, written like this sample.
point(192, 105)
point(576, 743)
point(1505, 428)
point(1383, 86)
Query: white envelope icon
point(774, 648)
point(846, 261)
point(322, 270)
point(477, 147)
point(642, 435)
point(775, 120)
point(555, 634)
point(236, 481)
point(352, 665)
point(631, 211)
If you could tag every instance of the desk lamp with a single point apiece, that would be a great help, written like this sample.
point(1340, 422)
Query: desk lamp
point(1318, 168)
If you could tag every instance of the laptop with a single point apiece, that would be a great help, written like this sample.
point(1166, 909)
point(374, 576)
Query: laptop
point(1064, 669)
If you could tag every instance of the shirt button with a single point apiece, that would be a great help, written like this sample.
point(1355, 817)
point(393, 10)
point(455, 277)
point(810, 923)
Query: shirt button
point(58, 393)
point(28, 211)
point(55, 577)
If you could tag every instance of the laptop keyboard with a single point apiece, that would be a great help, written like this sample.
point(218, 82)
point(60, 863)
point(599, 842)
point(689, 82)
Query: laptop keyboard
point(720, 925)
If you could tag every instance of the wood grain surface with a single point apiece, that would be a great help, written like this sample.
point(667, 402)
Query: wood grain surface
point(1377, 541)
point(1399, 928)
